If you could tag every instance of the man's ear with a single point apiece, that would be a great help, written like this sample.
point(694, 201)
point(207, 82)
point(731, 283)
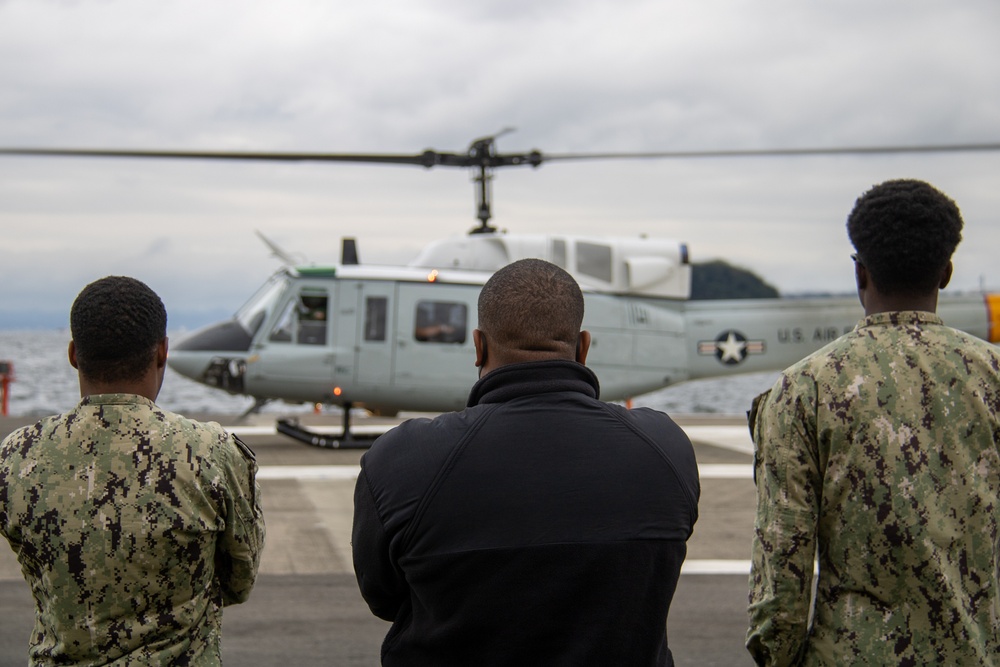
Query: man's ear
point(72, 355)
point(479, 340)
point(161, 353)
point(946, 275)
point(583, 347)
point(861, 280)
point(860, 275)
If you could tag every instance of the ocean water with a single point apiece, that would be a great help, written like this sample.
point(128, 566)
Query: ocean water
point(46, 384)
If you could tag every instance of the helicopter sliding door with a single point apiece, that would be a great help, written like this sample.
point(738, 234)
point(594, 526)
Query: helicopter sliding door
point(293, 357)
point(435, 359)
point(372, 329)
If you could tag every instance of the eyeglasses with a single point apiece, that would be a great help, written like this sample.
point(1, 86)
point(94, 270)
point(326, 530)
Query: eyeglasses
point(854, 257)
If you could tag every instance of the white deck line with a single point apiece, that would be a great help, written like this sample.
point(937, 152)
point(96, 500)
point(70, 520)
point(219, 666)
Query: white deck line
point(716, 567)
point(726, 470)
point(736, 438)
point(309, 472)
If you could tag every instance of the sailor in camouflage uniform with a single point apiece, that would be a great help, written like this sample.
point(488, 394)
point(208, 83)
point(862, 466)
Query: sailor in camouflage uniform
point(133, 525)
point(879, 453)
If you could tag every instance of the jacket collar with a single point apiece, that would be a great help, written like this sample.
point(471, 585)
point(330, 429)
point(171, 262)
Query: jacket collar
point(535, 377)
point(116, 399)
point(901, 318)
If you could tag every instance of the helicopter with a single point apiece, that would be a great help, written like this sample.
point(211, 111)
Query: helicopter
point(399, 338)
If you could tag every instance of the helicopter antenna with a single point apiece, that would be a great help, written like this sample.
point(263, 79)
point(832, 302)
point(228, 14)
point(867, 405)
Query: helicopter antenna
point(349, 251)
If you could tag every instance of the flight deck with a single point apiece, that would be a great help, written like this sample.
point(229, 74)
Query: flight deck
point(306, 608)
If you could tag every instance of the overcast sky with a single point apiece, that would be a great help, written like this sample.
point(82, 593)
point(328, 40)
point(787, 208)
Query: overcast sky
point(401, 76)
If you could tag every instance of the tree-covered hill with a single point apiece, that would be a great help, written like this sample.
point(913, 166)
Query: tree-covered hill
point(719, 280)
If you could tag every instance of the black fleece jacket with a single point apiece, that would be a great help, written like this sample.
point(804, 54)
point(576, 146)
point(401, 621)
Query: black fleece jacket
point(540, 526)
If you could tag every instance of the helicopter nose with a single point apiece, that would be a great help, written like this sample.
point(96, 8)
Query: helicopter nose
point(189, 364)
point(228, 336)
point(194, 354)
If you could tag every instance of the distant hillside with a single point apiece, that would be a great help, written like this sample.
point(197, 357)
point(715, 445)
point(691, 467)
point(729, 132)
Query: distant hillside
point(720, 280)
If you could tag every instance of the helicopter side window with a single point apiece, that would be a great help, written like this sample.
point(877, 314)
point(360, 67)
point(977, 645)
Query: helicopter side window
point(302, 320)
point(594, 260)
point(440, 322)
point(375, 312)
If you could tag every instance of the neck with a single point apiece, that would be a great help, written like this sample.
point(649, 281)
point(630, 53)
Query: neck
point(881, 303)
point(148, 386)
point(493, 356)
point(875, 300)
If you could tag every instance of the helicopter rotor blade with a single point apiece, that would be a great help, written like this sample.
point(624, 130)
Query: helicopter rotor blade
point(476, 157)
point(482, 157)
point(222, 155)
point(428, 158)
point(780, 152)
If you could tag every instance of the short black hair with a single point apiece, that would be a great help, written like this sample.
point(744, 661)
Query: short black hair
point(116, 324)
point(532, 305)
point(905, 232)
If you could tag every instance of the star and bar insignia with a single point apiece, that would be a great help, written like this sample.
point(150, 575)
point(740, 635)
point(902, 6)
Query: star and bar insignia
point(730, 347)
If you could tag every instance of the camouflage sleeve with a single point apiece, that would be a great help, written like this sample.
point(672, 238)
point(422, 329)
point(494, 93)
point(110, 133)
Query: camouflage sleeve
point(238, 551)
point(6, 527)
point(787, 479)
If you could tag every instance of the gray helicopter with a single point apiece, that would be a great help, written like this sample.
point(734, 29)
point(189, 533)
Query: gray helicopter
point(392, 339)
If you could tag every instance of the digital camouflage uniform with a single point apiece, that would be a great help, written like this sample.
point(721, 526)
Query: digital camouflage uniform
point(880, 451)
point(133, 527)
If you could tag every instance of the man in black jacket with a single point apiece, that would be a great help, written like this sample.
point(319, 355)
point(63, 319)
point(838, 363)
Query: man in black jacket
point(539, 526)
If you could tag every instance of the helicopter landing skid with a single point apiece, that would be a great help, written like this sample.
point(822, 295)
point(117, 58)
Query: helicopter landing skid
point(346, 440)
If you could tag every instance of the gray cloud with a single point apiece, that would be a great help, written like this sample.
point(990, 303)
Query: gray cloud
point(603, 75)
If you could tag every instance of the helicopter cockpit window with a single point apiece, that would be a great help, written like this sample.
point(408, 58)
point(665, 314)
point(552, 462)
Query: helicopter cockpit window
point(594, 260)
point(304, 320)
point(375, 311)
point(312, 320)
point(253, 313)
point(440, 322)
